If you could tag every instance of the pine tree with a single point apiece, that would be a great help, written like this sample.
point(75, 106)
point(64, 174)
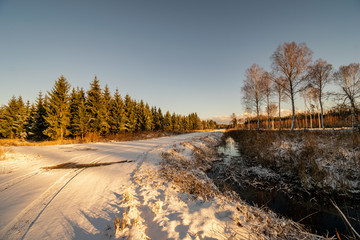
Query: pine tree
point(117, 114)
point(156, 119)
point(168, 122)
point(161, 120)
point(148, 118)
point(37, 123)
point(14, 118)
point(140, 116)
point(94, 106)
point(130, 107)
point(78, 116)
point(105, 119)
point(175, 122)
point(58, 110)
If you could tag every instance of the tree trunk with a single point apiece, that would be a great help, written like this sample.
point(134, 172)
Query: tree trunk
point(279, 112)
point(305, 113)
point(258, 115)
point(293, 112)
point(319, 119)
point(268, 111)
point(322, 113)
point(355, 114)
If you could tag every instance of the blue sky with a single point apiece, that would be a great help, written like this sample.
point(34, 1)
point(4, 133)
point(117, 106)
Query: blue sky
point(183, 56)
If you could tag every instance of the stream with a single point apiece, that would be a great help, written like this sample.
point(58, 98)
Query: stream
point(318, 215)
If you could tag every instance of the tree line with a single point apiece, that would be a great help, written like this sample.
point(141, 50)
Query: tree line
point(294, 72)
point(62, 113)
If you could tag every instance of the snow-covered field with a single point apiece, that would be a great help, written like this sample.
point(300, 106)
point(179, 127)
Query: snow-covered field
point(116, 190)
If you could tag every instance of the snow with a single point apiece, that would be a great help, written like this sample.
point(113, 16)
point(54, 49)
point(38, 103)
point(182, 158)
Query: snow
point(128, 200)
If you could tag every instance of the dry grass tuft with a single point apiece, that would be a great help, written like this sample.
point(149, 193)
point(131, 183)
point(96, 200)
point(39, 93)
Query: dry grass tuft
point(70, 165)
point(2, 154)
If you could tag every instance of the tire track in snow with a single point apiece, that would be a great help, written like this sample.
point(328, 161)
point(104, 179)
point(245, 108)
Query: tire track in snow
point(20, 226)
point(17, 180)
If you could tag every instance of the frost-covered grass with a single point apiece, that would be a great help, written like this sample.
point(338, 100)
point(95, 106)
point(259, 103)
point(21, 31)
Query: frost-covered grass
point(327, 161)
point(184, 167)
point(3, 153)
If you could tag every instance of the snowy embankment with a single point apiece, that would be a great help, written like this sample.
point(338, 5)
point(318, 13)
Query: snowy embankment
point(150, 189)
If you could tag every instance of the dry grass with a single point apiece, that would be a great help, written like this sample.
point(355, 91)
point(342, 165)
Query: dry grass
point(188, 172)
point(89, 138)
point(319, 159)
point(70, 165)
point(2, 154)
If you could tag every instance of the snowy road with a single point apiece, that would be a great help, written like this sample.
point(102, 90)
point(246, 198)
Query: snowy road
point(74, 203)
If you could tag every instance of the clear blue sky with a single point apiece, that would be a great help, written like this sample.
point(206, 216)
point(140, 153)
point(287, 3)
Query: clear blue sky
point(183, 56)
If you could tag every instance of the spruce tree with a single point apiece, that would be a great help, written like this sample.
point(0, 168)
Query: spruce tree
point(117, 114)
point(58, 110)
point(175, 122)
point(105, 111)
point(78, 116)
point(140, 116)
point(94, 106)
point(14, 119)
point(148, 118)
point(168, 122)
point(37, 123)
point(156, 123)
point(130, 107)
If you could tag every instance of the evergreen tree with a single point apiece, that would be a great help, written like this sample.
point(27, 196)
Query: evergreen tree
point(14, 119)
point(78, 115)
point(148, 118)
point(175, 122)
point(117, 114)
point(105, 120)
point(168, 122)
point(161, 120)
point(140, 116)
point(130, 107)
point(58, 110)
point(94, 106)
point(37, 123)
point(156, 119)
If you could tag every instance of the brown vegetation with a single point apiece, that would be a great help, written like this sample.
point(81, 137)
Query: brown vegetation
point(328, 161)
point(90, 137)
point(70, 165)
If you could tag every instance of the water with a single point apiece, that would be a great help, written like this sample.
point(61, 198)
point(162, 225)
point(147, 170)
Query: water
point(321, 219)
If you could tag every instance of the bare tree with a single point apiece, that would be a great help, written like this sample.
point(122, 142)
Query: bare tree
point(310, 95)
point(279, 85)
point(291, 60)
point(267, 79)
point(253, 89)
point(304, 95)
point(272, 109)
point(319, 75)
point(348, 78)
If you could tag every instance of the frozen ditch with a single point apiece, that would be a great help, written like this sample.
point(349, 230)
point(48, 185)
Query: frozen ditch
point(281, 193)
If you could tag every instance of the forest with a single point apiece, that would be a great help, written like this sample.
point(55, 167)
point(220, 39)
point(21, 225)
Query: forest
point(65, 113)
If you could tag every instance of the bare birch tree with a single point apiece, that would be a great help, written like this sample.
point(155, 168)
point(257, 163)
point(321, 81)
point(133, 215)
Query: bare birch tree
point(279, 85)
point(348, 78)
point(319, 75)
point(253, 89)
point(267, 79)
point(292, 60)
